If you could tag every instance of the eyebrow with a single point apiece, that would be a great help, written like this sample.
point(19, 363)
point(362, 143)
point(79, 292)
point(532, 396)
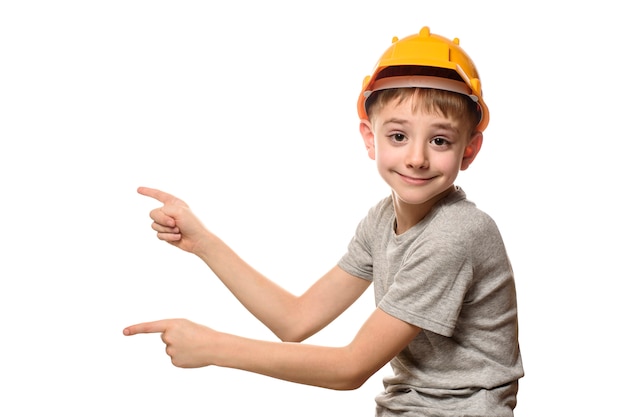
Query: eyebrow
point(441, 125)
point(396, 121)
point(447, 126)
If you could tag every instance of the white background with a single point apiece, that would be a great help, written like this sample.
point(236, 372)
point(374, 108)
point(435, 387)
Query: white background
point(246, 110)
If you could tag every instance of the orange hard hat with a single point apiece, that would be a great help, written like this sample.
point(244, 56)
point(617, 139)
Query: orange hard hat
point(426, 50)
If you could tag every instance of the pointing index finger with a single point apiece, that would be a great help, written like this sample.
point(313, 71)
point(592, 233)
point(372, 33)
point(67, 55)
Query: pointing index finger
point(149, 327)
point(159, 195)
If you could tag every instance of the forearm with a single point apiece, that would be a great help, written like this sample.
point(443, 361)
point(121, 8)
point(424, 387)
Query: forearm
point(266, 300)
point(380, 339)
point(327, 367)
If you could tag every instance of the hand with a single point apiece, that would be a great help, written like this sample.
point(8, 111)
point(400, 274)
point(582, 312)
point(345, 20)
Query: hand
point(174, 222)
point(187, 343)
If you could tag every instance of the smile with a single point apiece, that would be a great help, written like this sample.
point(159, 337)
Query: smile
point(414, 180)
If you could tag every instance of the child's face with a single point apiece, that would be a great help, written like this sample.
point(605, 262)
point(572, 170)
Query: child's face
point(419, 154)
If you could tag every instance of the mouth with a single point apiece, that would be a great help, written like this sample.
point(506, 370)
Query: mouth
point(415, 180)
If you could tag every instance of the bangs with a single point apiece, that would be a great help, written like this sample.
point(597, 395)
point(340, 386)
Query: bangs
point(449, 104)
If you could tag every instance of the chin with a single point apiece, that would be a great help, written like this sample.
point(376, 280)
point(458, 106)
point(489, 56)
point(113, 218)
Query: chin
point(420, 198)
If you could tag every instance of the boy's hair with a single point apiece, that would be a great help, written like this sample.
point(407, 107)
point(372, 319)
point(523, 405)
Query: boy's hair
point(449, 104)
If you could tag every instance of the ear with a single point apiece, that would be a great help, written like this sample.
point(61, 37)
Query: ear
point(471, 150)
point(365, 127)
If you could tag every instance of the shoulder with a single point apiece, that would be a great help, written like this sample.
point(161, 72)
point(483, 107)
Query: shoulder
point(383, 207)
point(379, 213)
point(461, 218)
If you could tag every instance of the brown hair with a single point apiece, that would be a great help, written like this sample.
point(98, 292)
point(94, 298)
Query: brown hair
point(449, 104)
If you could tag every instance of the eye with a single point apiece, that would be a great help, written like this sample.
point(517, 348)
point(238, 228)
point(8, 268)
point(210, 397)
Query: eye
point(439, 141)
point(397, 137)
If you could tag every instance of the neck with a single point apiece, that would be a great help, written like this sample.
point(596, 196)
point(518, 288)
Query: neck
point(408, 215)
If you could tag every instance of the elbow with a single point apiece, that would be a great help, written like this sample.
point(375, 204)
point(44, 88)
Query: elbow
point(294, 334)
point(351, 381)
point(291, 337)
point(350, 385)
point(351, 375)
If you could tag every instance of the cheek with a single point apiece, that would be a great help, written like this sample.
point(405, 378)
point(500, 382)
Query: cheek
point(384, 155)
point(450, 163)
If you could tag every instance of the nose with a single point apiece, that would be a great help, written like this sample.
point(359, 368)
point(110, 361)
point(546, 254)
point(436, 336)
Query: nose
point(417, 156)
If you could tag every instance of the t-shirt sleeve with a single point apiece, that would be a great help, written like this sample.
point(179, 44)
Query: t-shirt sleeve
point(358, 259)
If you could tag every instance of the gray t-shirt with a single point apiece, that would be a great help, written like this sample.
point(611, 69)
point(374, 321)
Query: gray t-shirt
point(449, 275)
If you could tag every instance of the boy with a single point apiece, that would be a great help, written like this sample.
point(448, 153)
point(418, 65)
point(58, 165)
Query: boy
point(446, 315)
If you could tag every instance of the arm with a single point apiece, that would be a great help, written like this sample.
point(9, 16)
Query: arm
point(290, 317)
point(381, 338)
